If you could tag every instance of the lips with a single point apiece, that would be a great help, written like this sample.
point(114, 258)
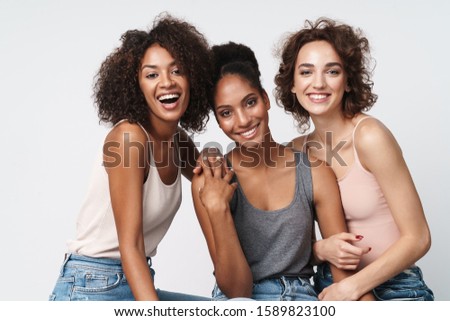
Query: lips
point(318, 98)
point(249, 133)
point(169, 100)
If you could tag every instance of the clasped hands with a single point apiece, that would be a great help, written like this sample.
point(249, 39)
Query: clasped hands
point(217, 190)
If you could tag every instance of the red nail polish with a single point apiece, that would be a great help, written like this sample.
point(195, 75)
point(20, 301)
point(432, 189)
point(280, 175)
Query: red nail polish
point(370, 249)
point(359, 237)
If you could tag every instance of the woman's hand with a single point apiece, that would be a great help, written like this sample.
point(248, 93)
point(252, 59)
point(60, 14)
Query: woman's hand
point(217, 191)
point(212, 192)
point(340, 291)
point(339, 250)
point(203, 157)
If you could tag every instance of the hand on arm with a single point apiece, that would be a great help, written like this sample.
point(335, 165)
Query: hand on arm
point(212, 194)
point(125, 183)
point(202, 160)
point(339, 250)
point(332, 225)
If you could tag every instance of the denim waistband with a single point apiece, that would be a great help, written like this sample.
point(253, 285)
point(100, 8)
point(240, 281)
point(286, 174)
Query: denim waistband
point(284, 278)
point(102, 260)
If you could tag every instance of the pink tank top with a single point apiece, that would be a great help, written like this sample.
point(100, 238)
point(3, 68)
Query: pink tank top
point(366, 210)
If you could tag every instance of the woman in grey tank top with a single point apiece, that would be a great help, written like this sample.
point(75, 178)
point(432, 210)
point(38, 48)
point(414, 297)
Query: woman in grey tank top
point(258, 217)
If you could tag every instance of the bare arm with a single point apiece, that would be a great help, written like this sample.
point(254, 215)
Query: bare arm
point(188, 154)
point(126, 186)
point(329, 212)
point(212, 194)
point(380, 154)
point(338, 248)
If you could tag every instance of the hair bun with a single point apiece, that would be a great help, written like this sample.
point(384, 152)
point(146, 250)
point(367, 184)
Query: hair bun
point(232, 52)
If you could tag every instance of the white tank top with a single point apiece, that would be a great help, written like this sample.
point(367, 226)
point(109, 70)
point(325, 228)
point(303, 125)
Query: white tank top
point(96, 234)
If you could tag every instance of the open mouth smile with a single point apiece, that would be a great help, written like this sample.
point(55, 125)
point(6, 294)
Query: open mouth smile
point(168, 99)
point(249, 133)
point(318, 98)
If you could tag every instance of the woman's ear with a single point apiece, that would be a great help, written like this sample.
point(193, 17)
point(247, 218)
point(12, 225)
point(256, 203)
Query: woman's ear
point(266, 99)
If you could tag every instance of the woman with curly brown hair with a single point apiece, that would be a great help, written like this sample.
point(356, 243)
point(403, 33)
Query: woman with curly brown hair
point(324, 76)
point(153, 82)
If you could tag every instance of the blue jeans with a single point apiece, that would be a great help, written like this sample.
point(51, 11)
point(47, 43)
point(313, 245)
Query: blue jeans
point(277, 289)
point(407, 285)
point(85, 278)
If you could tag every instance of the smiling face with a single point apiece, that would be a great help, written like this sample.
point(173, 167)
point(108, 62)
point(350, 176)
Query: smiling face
point(241, 110)
point(319, 78)
point(165, 87)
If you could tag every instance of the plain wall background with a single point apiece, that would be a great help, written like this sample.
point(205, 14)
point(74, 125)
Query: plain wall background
point(50, 51)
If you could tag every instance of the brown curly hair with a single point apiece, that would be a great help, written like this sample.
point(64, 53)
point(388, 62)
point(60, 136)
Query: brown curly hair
point(117, 94)
point(353, 49)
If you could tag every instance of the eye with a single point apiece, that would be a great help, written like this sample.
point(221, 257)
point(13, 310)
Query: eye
point(151, 75)
point(334, 72)
point(225, 113)
point(305, 72)
point(176, 71)
point(251, 102)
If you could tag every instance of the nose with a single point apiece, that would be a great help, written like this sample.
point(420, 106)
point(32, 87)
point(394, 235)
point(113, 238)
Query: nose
point(243, 118)
point(166, 80)
point(319, 81)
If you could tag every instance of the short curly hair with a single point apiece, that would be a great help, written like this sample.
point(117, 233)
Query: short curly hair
point(117, 94)
point(353, 49)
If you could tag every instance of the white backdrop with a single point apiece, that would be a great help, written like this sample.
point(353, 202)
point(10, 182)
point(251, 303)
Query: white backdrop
point(51, 49)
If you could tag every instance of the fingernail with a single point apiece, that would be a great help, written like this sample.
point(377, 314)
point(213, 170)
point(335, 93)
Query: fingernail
point(370, 249)
point(359, 237)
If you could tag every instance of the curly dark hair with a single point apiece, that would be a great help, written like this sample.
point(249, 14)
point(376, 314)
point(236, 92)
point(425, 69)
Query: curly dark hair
point(235, 59)
point(353, 49)
point(117, 93)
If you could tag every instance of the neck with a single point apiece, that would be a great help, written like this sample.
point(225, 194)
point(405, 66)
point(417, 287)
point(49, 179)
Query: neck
point(260, 155)
point(338, 126)
point(162, 132)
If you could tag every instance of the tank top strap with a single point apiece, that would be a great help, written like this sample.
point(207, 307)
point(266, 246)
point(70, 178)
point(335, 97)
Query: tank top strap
point(150, 154)
point(357, 124)
point(146, 133)
point(355, 152)
point(304, 177)
point(139, 124)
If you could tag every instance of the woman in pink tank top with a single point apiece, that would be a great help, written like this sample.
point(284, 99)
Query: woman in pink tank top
point(324, 76)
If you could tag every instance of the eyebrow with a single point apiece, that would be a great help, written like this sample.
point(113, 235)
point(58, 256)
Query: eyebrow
point(242, 100)
point(173, 63)
point(330, 64)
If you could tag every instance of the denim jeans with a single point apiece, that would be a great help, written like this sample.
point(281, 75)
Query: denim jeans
point(406, 286)
point(277, 289)
point(85, 278)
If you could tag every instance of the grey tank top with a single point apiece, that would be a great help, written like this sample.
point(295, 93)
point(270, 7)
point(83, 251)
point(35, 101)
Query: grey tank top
point(278, 243)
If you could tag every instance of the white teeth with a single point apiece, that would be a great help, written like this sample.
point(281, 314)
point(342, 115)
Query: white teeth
point(168, 96)
point(318, 96)
point(249, 132)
